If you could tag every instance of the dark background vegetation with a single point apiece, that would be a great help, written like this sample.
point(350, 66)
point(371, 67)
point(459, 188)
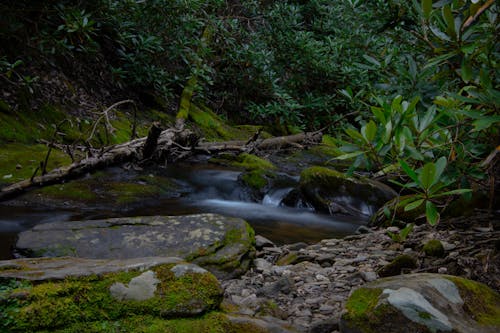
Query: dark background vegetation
point(403, 87)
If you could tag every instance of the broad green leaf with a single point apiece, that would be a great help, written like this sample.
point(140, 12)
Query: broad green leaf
point(431, 213)
point(378, 113)
point(427, 8)
point(396, 103)
point(427, 175)
point(409, 171)
point(440, 166)
point(347, 93)
point(349, 155)
point(371, 60)
point(453, 192)
point(369, 131)
point(466, 70)
point(406, 231)
point(439, 34)
point(413, 205)
point(427, 119)
point(412, 68)
point(485, 122)
point(414, 153)
point(354, 134)
point(449, 19)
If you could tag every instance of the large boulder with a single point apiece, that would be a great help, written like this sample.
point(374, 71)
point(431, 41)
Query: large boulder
point(330, 191)
point(223, 245)
point(422, 303)
point(69, 291)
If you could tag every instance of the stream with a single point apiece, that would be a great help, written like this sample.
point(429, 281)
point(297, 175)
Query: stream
point(201, 188)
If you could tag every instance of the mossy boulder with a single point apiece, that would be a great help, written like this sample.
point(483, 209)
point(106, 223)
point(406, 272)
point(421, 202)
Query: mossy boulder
point(258, 172)
point(330, 191)
point(221, 244)
point(422, 303)
point(397, 265)
point(153, 287)
point(434, 248)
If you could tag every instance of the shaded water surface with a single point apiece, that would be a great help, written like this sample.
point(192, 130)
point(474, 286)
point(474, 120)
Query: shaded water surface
point(204, 189)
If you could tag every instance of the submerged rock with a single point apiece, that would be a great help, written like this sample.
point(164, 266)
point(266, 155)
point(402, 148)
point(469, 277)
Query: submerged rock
point(422, 303)
point(221, 244)
point(62, 297)
point(330, 191)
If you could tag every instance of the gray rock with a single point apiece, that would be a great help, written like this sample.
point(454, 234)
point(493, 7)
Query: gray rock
point(262, 265)
point(424, 303)
point(330, 191)
point(140, 288)
point(369, 276)
point(183, 269)
point(284, 285)
point(261, 242)
point(221, 244)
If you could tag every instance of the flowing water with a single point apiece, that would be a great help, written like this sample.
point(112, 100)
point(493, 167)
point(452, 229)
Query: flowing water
point(204, 189)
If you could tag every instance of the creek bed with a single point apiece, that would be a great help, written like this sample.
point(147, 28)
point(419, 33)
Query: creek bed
point(200, 188)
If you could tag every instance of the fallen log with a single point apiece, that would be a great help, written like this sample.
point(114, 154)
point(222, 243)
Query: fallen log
point(165, 144)
point(168, 145)
point(276, 143)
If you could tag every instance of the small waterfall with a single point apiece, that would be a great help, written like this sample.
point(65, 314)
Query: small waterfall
point(276, 196)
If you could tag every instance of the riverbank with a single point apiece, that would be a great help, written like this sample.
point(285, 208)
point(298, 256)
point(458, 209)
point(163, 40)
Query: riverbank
point(308, 285)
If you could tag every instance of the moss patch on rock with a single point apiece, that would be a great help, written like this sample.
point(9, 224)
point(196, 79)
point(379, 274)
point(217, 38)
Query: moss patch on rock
point(397, 265)
point(327, 190)
point(434, 248)
point(482, 303)
point(52, 305)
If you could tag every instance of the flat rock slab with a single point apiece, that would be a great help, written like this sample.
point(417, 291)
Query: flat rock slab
point(422, 303)
point(45, 269)
point(222, 244)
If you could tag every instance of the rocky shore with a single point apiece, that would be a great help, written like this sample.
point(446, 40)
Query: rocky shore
point(308, 285)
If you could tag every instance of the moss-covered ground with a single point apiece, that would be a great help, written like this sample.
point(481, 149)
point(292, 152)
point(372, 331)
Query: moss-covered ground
point(18, 161)
point(61, 304)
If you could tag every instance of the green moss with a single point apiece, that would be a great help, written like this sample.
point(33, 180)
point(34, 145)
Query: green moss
point(126, 192)
point(288, 259)
point(75, 190)
point(214, 322)
point(362, 301)
point(397, 265)
point(255, 179)
point(324, 176)
point(253, 162)
point(51, 305)
point(19, 161)
point(434, 248)
point(425, 315)
point(482, 303)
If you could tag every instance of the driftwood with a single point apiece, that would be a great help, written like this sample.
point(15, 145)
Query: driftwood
point(171, 144)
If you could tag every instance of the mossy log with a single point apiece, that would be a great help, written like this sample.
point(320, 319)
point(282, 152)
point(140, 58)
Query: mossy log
point(168, 145)
point(171, 144)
